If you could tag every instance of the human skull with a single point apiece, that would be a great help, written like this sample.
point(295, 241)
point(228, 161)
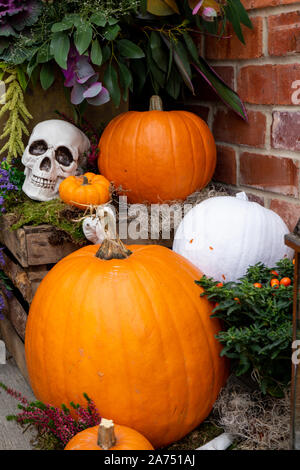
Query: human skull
point(53, 153)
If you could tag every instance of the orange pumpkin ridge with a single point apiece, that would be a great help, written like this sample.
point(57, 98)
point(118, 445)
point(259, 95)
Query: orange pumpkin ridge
point(132, 333)
point(156, 155)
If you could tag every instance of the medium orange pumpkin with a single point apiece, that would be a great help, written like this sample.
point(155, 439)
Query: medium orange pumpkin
point(81, 191)
point(109, 436)
point(157, 156)
point(132, 333)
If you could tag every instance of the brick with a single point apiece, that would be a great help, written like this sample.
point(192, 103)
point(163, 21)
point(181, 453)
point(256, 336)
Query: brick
point(279, 175)
point(254, 198)
point(268, 84)
point(289, 212)
point(252, 4)
point(228, 127)
point(233, 48)
point(202, 88)
point(284, 33)
point(225, 171)
point(285, 130)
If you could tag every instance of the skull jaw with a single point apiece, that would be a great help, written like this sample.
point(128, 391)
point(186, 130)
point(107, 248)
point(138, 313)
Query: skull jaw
point(39, 189)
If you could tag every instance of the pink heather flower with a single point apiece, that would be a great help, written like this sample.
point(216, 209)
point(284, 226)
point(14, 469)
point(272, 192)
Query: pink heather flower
point(57, 421)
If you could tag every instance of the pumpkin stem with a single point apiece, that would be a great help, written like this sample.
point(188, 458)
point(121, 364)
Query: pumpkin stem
point(85, 181)
point(156, 103)
point(112, 249)
point(106, 434)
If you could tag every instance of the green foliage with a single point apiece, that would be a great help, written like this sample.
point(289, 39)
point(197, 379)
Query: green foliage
point(258, 324)
point(137, 42)
point(54, 212)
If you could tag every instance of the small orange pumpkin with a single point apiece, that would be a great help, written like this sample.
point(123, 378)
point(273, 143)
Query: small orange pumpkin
point(157, 155)
point(109, 436)
point(81, 191)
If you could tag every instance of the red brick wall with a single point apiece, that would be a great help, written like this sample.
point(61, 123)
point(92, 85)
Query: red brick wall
point(263, 156)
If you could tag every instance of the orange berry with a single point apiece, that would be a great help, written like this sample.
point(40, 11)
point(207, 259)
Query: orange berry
point(275, 273)
point(220, 284)
point(294, 261)
point(237, 300)
point(257, 284)
point(274, 283)
point(285, 281)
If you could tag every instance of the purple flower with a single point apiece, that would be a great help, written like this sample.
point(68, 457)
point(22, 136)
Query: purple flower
point(15, 15)
point(197, 7)
point(82, 77)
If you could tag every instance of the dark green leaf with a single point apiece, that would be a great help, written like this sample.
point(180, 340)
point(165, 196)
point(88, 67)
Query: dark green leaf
point(227, 95)
point(60, 46)
point(111, 82)
point(96, 53)
point(63, 25)
point(129, 50)
point(44, 54)
point(156, 73)
point(83, 37)
point(98, 19)
point(125, 79)
point(170, 61)
point(233, 16)
point(22, 78)
point(106, 53)
point(158, 53)
point(174, 84)
point(243, 15)
point(191, 47)
point(111, 32)
point(47, 76)
point(184, 59)
point(112, 21)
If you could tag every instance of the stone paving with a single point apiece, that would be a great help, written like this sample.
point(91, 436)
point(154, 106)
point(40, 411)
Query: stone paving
point(12, 436)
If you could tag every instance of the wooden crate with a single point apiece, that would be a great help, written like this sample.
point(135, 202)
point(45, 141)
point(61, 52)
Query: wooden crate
point(28, 257)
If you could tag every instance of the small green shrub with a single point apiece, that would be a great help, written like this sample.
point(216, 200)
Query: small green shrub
point(257, 323)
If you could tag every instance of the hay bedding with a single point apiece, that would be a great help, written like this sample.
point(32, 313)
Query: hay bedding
point(157, 219)
point(261, 422)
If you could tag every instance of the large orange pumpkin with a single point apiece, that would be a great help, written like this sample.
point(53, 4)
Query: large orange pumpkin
point(157, 156)
point(109, 437)
point(132, 333)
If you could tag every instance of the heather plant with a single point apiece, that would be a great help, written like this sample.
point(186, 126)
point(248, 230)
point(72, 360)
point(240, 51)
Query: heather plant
point(52, 423)
point(11, 181)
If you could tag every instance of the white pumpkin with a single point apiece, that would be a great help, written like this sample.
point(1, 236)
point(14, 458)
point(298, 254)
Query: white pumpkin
point(223, 236)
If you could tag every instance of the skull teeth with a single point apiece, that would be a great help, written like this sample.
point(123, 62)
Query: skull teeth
point(42, 182)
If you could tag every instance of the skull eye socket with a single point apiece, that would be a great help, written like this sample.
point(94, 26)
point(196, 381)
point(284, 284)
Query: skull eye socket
point(63, 156)
point(38, 147)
